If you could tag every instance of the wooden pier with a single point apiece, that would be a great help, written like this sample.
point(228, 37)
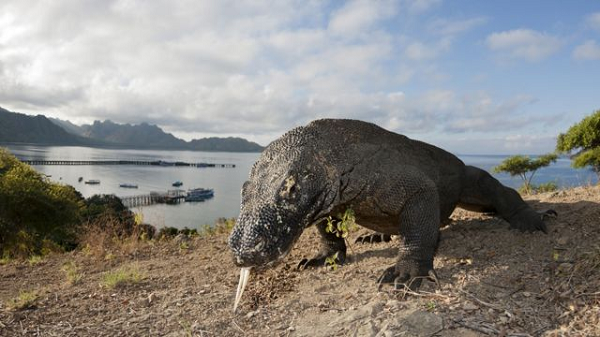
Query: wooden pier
point(170, 197)
point(125, 162)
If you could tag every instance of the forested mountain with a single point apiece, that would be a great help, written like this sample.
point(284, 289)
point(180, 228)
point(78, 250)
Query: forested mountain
point(21, 128)
point(144, 135)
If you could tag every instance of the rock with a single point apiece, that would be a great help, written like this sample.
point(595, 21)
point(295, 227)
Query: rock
point(470, 306)
point(361, 314)
point(461, 332)
point(413, 323)
point(394, 305)
point(369, 330)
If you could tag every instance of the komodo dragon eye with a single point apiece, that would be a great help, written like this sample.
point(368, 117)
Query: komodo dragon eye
point(289, 187)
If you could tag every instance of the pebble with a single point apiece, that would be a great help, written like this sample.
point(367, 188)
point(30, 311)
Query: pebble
point(470, 306)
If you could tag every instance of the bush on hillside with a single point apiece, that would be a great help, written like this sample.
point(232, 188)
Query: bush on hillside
point(34, 212)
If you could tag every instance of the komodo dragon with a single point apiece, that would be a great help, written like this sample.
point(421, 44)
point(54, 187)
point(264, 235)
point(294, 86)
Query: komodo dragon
point(394, 185)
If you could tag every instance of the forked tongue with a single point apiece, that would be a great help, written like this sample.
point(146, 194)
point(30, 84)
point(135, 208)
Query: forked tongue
point(244, 276)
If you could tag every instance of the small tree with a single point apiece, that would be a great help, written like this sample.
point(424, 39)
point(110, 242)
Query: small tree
point(521, 165)
point(585, 137)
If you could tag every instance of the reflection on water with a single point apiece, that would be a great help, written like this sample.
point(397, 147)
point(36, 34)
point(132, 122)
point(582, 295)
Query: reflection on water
point(226, 182)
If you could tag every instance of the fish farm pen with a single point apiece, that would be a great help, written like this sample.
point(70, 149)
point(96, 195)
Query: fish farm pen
point(170, 197)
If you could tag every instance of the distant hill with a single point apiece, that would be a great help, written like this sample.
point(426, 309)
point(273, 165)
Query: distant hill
point(21, 128)
point(68, 126)
point(224, 144)
point(142, 136)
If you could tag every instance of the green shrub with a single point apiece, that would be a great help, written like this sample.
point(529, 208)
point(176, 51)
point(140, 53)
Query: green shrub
point(521, 165)
point(584, 137)
point(541, 188)
point(546, 187)
point(33, 209)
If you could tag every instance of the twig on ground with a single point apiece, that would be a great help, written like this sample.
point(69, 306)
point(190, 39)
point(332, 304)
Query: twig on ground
point(489, 305)
point(237, 326)
point(483, 329)
point(588, 294)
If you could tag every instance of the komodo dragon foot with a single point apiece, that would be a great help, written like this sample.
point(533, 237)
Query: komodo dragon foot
point(333, 249)
point(373, 238)
point(407, 275)
point(335, 258)
point(528, 220)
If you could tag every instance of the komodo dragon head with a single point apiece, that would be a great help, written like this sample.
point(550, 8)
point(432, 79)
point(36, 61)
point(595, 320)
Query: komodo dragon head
point(286, 190)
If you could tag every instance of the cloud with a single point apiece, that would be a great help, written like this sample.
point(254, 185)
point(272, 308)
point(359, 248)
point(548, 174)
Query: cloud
point(455, 27)
point(593, 21)
point(248, 68)
point(589, 50)
point(420, 51)
point(420, 6)
point(524, 44)
point(360, 15)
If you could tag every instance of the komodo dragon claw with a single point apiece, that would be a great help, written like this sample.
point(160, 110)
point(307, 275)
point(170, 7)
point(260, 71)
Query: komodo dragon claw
point(548, 214)
point(409, 278)
point(373, 238)
point(338, 258)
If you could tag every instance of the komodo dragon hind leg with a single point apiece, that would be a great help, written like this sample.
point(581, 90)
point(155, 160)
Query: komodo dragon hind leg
point(373, 238)
point(419, 229)
point(332, 247)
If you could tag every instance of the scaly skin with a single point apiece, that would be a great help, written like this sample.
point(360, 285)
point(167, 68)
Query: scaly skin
point(395, 185)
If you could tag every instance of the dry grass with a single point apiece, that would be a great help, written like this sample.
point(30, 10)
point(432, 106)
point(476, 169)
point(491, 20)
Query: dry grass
point(121, 277)
point(25, 300)
point(72, 273)
point(104, 239)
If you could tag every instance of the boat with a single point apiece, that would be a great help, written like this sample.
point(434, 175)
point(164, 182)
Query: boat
point(92, 182)
point(177, 183)
point(199, 194)
point(128, 185)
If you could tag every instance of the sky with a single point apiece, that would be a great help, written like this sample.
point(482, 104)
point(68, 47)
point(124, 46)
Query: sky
point(473, 77)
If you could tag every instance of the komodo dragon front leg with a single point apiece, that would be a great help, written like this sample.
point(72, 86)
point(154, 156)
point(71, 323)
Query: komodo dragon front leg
point(419, 229)
point(332, 246)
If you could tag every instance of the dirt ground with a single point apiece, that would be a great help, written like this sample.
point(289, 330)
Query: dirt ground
point(493, 281)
